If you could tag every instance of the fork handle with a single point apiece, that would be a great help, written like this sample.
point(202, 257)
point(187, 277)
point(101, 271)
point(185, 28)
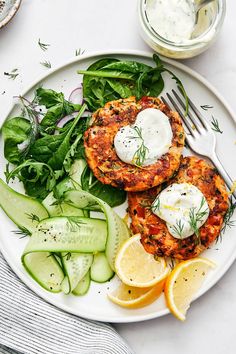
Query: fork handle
point(224, 174)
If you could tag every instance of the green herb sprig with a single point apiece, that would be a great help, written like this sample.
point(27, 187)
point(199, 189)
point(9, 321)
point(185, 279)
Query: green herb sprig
point(46, 64)
point(43, 46)
point(215, 125)
point(141, 153)
point(79, 52)
point(178, 228)
point(206, 107)
point(196, 217)
point(12, 75)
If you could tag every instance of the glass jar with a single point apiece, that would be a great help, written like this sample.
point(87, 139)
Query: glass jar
point(208, 23)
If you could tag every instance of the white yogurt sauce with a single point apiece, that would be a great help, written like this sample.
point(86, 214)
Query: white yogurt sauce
point(147, 140)
point(183, 207)
point(174, 20)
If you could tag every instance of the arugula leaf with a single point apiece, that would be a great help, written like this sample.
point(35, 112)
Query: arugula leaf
point(57, 107)
point(15, 131)
point(111, 195)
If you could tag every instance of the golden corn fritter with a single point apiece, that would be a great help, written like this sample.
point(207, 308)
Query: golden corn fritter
point(155, 236)
point(101, 155)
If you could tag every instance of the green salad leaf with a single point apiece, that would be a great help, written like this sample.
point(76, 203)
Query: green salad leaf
point(54, 148)
point(110, 79)
point(57, 107)
point(111, 195)
point(15, 131)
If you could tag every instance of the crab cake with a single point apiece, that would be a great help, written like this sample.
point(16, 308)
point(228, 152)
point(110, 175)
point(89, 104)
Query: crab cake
point(155, 236)
point(101, 154)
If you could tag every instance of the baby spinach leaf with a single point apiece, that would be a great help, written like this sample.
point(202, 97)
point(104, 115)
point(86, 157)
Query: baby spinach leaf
point(111, 79)
point(96, 91)
point(127, 66)
point(15, 131)
point(111, 195)
point(52, 149)
point(57, 107)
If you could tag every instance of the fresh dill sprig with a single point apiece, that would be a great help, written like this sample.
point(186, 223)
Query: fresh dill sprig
point(197, 217)
point(73, 224)
point(33, 217)
point(23, 232)
point(43, 46)
point(227, 218)
point(156, 205)
point(12, 75)
point(46, 64)
point(206, 107)
point(215, 125)
point(79, 52)
point(141, 153)
point(178, 228)
point(67, 256)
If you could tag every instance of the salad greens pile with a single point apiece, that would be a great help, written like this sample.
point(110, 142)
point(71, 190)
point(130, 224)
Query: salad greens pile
point(43, 153)
point(110, 79)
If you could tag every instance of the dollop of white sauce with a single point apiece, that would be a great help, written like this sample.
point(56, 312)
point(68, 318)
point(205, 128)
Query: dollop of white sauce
point(183, 207)
point(174, 20)
point(147, 140)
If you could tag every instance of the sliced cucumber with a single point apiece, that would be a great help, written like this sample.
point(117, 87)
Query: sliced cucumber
point(76, 170)
point(24, 211)
point(83, 285)
point(75, 265)
point(63, 209)
point(118, 231)
point(45, 269)
point(68, 234)
point(64, 186)
point(100, 269)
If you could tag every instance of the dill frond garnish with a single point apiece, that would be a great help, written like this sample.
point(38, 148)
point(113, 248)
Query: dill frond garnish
point(141, 153)
point(178, 228)
point(196, 217)
point(12, 75)
point(215, 125)
point(46, 64)
point(206, 107)
point(43, 46)
point(79, 52)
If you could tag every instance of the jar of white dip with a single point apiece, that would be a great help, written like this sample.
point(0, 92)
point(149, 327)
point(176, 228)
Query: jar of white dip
point(173, 29)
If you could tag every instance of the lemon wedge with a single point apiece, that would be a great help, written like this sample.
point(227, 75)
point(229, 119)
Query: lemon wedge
point(133, 298)
point(135, 267)
point(183, 283)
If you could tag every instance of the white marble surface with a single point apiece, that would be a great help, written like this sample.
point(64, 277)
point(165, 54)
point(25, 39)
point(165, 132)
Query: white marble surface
point(110, 24)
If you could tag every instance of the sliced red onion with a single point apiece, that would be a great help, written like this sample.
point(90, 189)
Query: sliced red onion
point(24, 145)
point(66, 119)
point(76, 96)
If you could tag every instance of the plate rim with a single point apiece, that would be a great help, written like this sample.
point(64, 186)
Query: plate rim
point(138, 53)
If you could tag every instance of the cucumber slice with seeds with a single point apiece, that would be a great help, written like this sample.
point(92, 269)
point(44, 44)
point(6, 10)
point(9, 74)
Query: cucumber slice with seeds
point(118, 231)
point(24, 211)
point(63, 209)
point(68, 234)
point(100, 269)
point(83, 286)
point(45, 269)
point(76, 265)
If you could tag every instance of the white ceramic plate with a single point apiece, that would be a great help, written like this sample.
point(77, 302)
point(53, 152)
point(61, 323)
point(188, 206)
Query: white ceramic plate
point(95, 304)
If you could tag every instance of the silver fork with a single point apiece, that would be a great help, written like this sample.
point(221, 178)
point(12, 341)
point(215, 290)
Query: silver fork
point(199, 135)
